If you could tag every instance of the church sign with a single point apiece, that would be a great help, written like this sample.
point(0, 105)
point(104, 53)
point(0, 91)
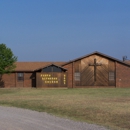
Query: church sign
point(51, 76)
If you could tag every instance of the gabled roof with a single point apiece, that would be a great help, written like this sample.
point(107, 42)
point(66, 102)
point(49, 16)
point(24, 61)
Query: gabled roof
point(51, 65)
point(32, 66)
point(97, 53)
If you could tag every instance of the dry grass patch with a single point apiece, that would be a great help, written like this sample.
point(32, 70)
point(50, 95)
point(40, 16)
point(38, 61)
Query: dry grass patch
point(108, 107)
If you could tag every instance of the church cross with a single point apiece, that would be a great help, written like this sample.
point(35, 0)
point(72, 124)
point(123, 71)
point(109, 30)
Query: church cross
point(95, 68)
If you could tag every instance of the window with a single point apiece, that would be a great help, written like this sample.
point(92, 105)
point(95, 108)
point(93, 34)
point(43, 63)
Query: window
point(57, 69)
point(47, 69)
point(111, 76)
point(20, 76)
point(77, 76)
point(52, 68)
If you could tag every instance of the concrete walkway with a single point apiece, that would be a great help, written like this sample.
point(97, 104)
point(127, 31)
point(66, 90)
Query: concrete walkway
point(22, 119)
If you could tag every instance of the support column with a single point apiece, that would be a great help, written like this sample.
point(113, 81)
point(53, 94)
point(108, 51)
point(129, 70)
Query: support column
point(73, 83)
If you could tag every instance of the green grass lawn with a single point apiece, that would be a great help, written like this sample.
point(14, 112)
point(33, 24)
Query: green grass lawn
point(103, 106)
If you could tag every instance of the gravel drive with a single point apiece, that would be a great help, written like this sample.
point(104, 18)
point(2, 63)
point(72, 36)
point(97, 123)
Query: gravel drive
point(21, 119)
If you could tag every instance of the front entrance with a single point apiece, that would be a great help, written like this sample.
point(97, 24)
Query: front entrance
point(51, 76)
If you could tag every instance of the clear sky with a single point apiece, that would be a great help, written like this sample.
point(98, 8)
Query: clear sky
point(62, 30)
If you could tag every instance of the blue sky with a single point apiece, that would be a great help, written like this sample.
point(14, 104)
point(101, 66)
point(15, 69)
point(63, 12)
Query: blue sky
point(62, 30)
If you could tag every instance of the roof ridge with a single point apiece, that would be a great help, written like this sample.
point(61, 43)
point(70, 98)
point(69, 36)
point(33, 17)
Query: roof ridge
point(99, 53)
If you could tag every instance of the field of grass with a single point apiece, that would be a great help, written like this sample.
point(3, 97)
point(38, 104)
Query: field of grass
point(107, 107)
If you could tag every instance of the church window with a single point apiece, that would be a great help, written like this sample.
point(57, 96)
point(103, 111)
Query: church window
point(52, 68)
point(111, 76)
point(20, 76)
point(77, 76)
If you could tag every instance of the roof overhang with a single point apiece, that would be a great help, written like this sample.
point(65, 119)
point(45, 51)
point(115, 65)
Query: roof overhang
point(97, 53)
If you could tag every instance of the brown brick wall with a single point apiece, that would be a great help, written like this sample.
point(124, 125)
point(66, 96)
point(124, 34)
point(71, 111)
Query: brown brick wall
point(9, 80)
point(122, 75)
point(27, 80)
point(69, 75)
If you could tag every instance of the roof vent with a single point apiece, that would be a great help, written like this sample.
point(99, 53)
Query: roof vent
point(124, 58)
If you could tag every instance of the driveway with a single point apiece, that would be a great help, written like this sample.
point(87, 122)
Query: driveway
point(22, 119)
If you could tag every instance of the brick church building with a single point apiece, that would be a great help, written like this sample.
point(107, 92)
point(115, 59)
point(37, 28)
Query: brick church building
point(90, 71)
